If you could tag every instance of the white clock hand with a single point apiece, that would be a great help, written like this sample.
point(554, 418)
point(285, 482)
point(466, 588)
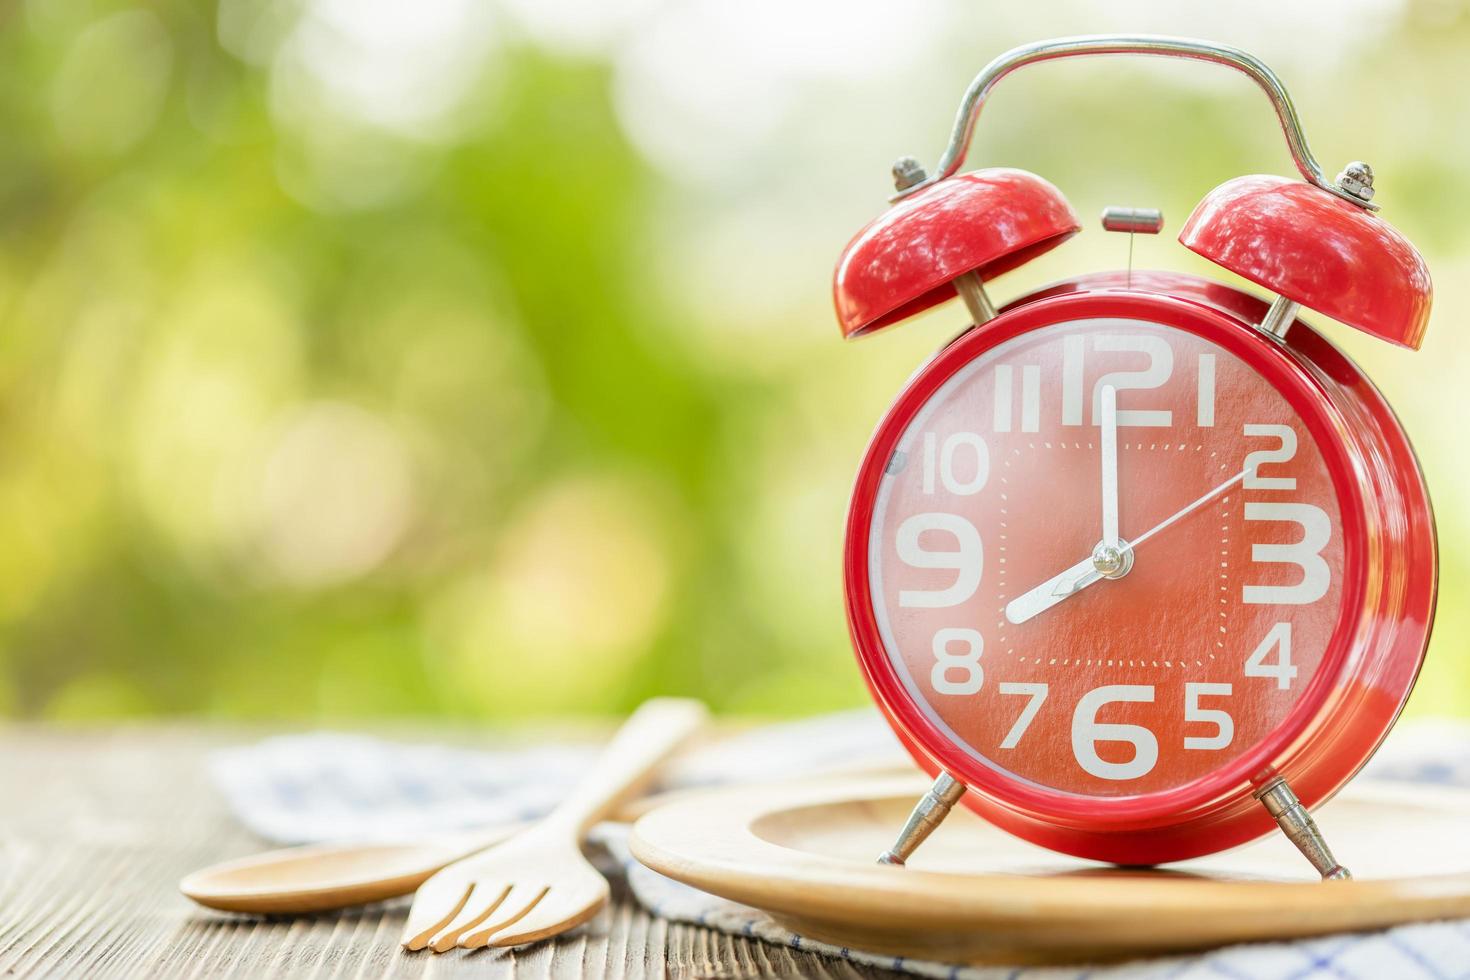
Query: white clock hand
point(1110, 467)
point(1185, 510)
point(1051, 592)
point(1085, 573)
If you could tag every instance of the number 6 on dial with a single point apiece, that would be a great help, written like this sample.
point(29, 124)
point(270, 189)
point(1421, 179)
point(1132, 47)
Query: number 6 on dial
point(1087, 731)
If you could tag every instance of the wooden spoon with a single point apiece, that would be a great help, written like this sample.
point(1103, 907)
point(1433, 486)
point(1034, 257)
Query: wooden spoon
point(322, 877)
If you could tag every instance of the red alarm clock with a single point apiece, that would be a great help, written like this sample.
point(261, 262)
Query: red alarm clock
point(1140, 565)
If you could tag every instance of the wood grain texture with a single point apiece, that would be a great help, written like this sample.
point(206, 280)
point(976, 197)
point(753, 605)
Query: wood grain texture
point(97, 827)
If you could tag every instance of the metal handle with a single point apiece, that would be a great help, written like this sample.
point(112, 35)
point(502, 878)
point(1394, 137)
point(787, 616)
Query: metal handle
point(1175, 47)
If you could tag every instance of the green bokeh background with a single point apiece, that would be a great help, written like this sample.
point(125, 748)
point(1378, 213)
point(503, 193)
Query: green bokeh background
point(374, 358)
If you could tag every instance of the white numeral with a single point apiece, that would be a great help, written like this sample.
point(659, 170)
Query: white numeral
point(1072, 353)
point(1305, 554)
point(979, 461)
point(1224, 724)
point(1030, 397)
point(1279, 639)
point(1087, 731)
point(968, 662)
point(1281, 454)
point(1205, 410)
point(1037, 694)
point(1160, 367)
point(965, 559)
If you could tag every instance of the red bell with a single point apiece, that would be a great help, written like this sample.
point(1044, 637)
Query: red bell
point(986, 222)
point(1318, 250)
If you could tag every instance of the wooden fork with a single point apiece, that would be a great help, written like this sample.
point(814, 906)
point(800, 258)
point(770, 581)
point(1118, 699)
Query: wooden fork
point(537, 884)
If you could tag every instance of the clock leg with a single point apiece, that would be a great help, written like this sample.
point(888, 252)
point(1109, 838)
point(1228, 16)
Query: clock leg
point(1299, 827)
point(928, 813)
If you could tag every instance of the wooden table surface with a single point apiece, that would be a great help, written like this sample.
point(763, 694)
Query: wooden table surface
point(97, 827)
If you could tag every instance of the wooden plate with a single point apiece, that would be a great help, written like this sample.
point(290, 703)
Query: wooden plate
point(805, 854)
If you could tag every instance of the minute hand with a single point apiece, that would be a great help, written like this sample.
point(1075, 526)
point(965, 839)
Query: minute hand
point(1110, 467)
point(1081, 575)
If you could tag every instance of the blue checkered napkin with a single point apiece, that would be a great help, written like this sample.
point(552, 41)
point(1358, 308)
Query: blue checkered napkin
point(300, 789)
point(316, 787)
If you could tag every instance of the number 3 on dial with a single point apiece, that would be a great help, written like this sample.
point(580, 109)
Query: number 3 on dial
point(1316, 526)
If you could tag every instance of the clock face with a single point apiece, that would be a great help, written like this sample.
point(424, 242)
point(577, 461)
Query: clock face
point(1106, 558)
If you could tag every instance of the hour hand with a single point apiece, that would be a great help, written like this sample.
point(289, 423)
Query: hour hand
point(1052, 591)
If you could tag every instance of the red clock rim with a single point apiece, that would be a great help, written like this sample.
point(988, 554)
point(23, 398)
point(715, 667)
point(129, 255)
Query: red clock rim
point(1161, 807)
